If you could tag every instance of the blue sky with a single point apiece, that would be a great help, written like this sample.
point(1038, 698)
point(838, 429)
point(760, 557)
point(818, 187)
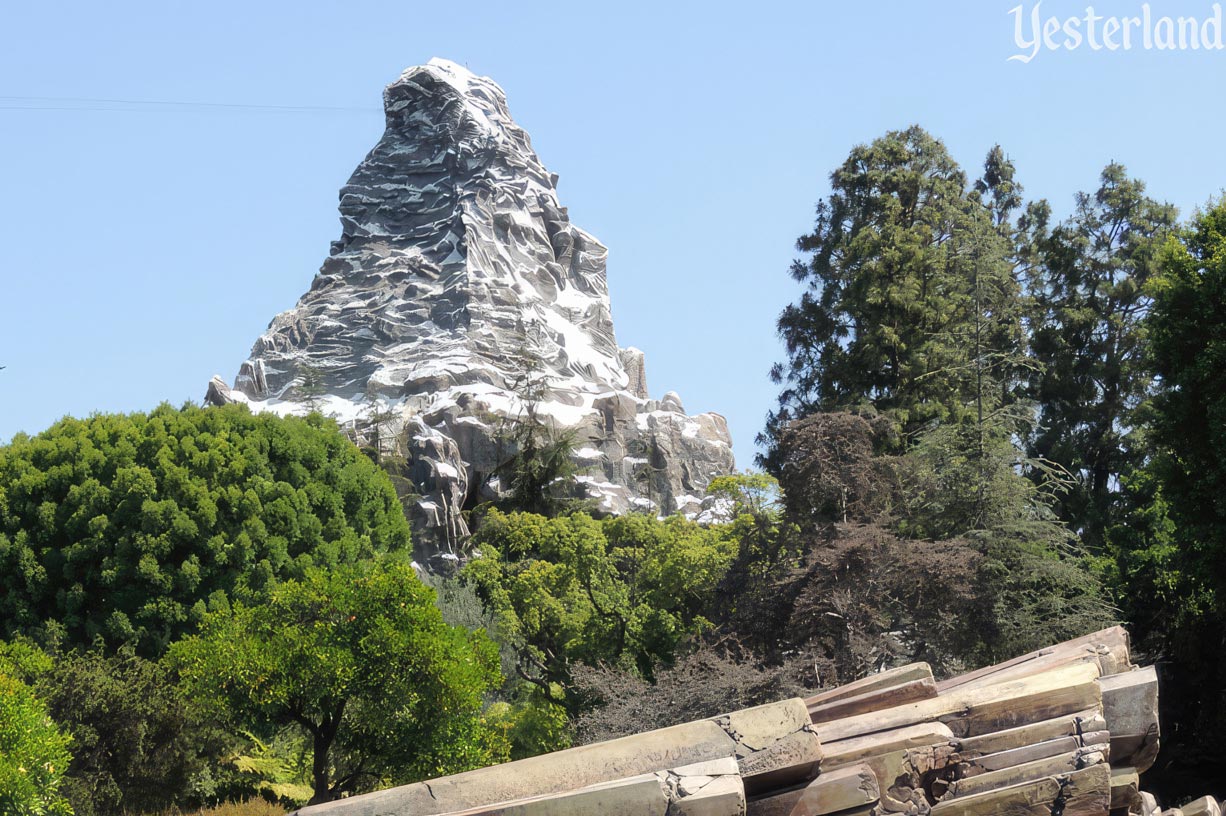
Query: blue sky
point(144, 248)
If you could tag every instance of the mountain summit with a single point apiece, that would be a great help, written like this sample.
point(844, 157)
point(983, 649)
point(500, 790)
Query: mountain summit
point(460, 300)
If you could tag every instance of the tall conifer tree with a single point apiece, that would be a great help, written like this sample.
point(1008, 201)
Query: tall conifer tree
point(1087, 281)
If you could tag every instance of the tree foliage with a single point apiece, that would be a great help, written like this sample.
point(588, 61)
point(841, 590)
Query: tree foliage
point(830, 468)
point(136, 747)
point(1189, 353)
point(362, 661)
point(624, 590)
point(33, 753)
point(1087, 278)
point(129, 527)
point(1170, 548)
point(906, 274)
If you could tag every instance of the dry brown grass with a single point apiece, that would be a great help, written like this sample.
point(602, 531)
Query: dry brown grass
point(250, 807)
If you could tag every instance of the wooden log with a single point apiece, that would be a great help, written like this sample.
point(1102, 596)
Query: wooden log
point(1126, 790)
point(1130, 705)
point(1204, 806)
point(1015, 775)
point(739, 734)
point(973, 766)
point(853, 786)
point(1108, 649)
point(854, 749)
point(710, 788)
point(638, 796)
point(888, 697)
point(1009, 738)
point(1080, 793)
point(873, 682)
point(793, 760)
point(980, 710)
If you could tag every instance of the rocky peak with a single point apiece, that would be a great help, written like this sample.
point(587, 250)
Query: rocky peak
point(457, 281)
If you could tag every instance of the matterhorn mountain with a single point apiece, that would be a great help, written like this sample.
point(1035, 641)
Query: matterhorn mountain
point(459, 301)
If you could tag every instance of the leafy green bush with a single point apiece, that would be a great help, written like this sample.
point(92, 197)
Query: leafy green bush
point(136, 746)
point(130, 527)
point(33, 754)
point(625, 590)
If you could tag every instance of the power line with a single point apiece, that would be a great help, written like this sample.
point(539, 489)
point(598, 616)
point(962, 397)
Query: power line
point(77, 103)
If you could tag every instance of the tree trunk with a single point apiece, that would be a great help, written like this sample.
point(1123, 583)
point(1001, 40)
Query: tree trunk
point(319, 768)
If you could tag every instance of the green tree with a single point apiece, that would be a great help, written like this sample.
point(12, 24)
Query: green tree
point(33, 754)
point(1087, 280)
point(310, 388)
point(130, 527)
point(536, 470)
point(136, 748)
point(1188, 331)
point(624, 590)
point(1171, 558)
point(1036, 584)
point(362, 661)
point(907, 273)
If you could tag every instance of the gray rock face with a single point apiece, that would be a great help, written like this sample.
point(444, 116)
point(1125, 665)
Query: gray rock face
point(458, 298)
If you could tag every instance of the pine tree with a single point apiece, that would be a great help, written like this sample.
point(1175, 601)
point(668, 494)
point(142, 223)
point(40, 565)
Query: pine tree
point(909, 290)
point(537, 463)
point(1087, 282)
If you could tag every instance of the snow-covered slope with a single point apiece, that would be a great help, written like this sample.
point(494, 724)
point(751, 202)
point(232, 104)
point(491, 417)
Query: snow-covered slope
point(457, 280)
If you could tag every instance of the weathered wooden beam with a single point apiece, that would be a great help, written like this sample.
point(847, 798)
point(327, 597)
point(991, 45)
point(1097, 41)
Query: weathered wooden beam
point(703, 789)
point(980, 710)
point(1018, 774)
point(842, 789)
point(1080, 793)
point(1130, 706)
point(1108, 649)
point(792, 760)
point(1126, 790)
point(641, 795)
point(873, 682)
point(888, 697)
point(1090, 720)
point(739, 734)
point(1204, 806)
point(855, 749)
point(973, 766)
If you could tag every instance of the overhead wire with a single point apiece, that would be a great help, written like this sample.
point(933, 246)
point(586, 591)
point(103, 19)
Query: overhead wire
point(80, 103)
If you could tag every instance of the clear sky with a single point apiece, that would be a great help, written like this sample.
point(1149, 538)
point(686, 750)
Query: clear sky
point(143, 248)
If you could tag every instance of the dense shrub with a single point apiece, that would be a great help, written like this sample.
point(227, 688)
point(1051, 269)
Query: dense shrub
point(625, 590)
point(704, 683)
point(129, 528)
point(135, 746)
point(33, 754)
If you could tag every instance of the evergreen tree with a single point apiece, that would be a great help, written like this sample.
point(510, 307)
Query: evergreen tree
point(909, 288)
point(1087, 282)
point(1189, 354)
point(537, 467)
